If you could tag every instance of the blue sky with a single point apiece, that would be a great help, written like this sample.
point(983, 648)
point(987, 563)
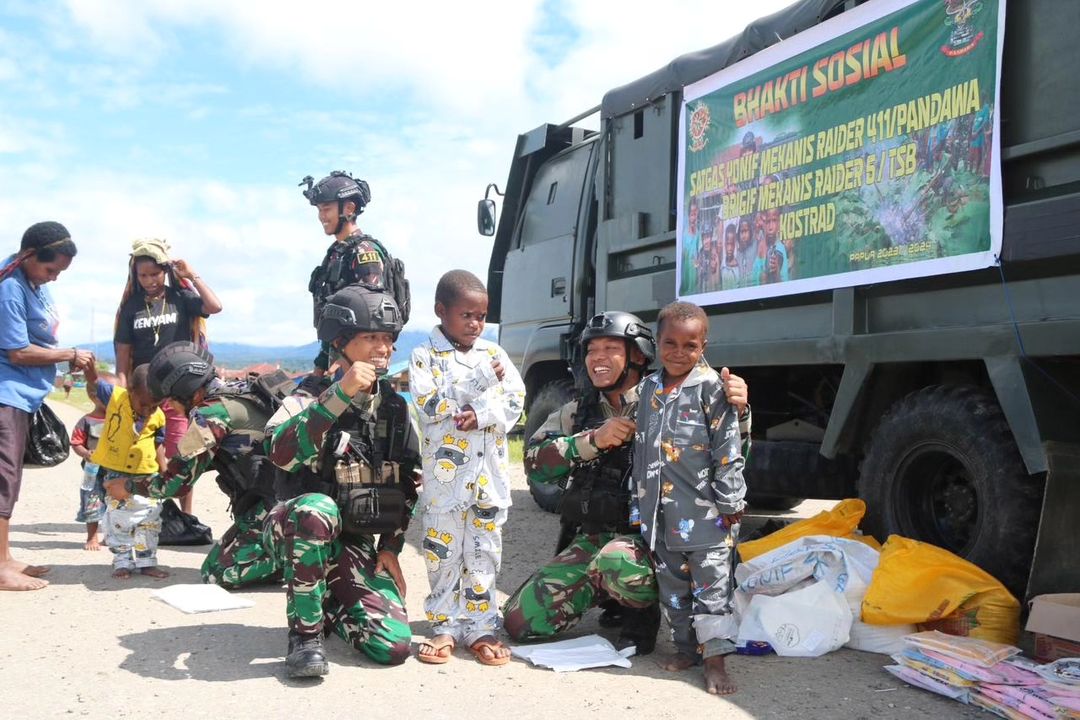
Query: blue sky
point(194, 120)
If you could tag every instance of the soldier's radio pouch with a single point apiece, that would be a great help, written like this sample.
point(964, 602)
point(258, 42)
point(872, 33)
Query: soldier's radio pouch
point(595, 500)
point(371, 500)
point(371, 503)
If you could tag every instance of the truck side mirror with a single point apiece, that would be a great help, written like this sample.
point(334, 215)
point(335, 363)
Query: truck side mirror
point(485, 217)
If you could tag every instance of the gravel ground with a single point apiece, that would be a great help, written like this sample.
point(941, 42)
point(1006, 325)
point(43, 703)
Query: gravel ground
point(91, 646)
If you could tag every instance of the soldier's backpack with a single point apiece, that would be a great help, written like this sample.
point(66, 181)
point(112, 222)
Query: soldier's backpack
point(249, 478)
point(326, 278)
point(394, 280)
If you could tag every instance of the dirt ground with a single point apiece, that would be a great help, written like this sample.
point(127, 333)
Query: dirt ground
point(92, 646)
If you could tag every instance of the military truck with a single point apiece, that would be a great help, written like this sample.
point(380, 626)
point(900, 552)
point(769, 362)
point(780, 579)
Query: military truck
point(948, 403)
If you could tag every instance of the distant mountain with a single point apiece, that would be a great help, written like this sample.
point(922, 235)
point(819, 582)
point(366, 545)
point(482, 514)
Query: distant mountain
point(293, 357)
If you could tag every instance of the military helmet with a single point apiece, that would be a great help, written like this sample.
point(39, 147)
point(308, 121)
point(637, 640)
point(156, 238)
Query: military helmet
point(624, 325)
point(179, 369)
point(338, 186)
point(356, 308)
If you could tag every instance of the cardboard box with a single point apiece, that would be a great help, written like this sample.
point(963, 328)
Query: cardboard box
point(1055, 621)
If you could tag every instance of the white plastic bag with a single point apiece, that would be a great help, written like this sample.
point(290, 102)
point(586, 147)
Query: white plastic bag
point(884, 639)
point(847, 566)
point(802, 623)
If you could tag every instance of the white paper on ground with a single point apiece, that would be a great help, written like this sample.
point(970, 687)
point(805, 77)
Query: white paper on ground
point(575, 654)
point(200, 598)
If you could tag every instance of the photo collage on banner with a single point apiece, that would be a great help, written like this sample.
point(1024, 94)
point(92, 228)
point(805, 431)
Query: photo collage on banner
point(862, 150)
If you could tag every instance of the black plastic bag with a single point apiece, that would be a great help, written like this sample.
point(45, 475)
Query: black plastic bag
point(47, 444)
point(179, 528)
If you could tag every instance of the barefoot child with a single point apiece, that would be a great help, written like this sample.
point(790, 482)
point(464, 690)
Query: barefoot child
point(688, 470)
point(468, 395)
point(130, 451)
point(84, 440)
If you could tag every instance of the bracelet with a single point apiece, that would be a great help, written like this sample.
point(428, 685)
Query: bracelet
point(591, 439)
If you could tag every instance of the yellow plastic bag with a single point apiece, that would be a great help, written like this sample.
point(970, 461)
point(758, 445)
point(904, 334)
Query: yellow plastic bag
point(841, 521)
point(923, 584)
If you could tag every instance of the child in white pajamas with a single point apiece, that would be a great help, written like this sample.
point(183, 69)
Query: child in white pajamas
point(468, 396)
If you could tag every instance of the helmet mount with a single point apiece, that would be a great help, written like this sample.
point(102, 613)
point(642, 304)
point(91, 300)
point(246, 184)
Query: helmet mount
point(338, 186)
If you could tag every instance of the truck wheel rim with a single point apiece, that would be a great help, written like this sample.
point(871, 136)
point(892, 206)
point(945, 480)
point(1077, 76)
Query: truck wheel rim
point(935, 498)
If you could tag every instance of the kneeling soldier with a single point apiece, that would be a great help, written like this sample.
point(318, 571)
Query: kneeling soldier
point(225, 433)
point(587, 445)
point(353, 457)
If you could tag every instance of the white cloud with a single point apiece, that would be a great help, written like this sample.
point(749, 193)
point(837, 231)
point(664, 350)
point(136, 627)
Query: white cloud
point(464, 85)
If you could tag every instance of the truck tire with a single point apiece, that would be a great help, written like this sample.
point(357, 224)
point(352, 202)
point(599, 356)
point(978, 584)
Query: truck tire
point(550, 398)
point(942, 467)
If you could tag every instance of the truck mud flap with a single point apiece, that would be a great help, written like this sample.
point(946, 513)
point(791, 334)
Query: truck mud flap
point(1054, 567)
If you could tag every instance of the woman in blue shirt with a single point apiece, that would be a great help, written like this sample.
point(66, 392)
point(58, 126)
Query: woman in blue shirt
point(28, 358)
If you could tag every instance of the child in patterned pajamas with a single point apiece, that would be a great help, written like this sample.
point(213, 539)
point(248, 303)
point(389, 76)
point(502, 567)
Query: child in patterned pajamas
point(129, 452)
point(688, 470)
point(468, 395)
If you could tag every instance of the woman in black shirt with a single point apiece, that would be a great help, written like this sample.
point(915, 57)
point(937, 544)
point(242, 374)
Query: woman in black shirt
point(164, 301)
point(156, 313)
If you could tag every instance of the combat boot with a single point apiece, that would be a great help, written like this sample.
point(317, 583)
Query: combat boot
point(612, 617)
point(306, 657)
point(640, 627)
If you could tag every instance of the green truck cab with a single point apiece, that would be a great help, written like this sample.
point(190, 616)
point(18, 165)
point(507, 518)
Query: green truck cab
point(950, 403)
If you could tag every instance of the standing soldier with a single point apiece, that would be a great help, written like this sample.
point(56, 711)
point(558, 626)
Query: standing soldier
point(353, 454)
point(354, 257)
point(225, 433)
point(587, 445)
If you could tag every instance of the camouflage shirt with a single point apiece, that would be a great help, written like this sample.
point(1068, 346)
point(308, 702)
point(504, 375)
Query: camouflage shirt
point(228, 425)
point(554, 450)
point(297, 431)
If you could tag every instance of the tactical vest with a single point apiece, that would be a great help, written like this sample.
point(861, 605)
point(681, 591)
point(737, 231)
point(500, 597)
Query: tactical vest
point(249, 478)
point(597, 497)
point(333, 275)
point(364, 465)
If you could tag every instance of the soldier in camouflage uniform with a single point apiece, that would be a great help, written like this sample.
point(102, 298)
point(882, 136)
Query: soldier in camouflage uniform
point(586, 444)
point(352, 450)
point(354, 257)
point(225, 434)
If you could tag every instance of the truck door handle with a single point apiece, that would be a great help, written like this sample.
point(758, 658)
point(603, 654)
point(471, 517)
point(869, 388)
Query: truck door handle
point(558, 286)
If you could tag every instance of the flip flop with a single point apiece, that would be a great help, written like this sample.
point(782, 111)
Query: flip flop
point(478, 647)
point(438, 646)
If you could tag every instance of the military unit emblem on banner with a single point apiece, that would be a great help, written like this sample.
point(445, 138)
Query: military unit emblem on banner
point(699, 125)
point(964, 37)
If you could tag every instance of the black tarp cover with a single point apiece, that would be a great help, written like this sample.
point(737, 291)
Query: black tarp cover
point(692, 67)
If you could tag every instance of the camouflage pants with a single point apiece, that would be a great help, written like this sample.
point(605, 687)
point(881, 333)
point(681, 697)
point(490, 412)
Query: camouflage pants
point(696, 589)
point(331, 580)
point(240, 557)
point(591, 568)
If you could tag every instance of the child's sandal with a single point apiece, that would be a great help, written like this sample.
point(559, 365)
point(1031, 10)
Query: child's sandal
point(438, 657)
